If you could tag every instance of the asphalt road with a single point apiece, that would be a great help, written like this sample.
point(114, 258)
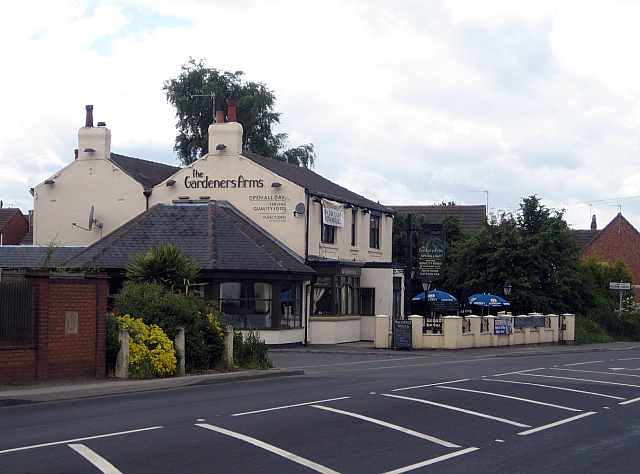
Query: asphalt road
point(433, 412)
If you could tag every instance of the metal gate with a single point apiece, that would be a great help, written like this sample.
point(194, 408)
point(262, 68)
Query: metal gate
point(16, 311)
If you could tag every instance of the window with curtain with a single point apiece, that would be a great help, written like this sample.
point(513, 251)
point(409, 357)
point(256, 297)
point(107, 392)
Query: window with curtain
point(374, 232)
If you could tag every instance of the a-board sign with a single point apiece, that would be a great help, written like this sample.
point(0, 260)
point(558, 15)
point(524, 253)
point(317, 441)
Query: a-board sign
point(502, 326)
point(619, 285)
point(402, 334)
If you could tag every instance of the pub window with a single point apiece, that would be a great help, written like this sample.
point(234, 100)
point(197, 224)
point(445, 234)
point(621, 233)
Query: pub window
point(291, 306)
point(246, 304)
point(397, 297)
point(368, 301)
point(347, 294)
point(328, 234)
point(354, 220)
point(323, 296)
point(374, 232)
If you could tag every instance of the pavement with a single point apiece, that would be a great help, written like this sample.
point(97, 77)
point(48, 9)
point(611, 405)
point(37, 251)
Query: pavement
point(58, 390)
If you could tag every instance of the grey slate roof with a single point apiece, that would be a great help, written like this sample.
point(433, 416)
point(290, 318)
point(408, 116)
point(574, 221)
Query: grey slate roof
point(33, 256)
point(472, 218)
point(314, 183)
point(585, 236)
point(216, 235)
point(147, 173)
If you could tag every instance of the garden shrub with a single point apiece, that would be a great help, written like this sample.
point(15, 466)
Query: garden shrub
point(250, 352)
point(156, 304)
point(151, 352)
point(113, 343)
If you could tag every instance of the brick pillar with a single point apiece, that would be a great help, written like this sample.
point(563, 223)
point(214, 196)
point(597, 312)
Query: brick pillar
point(41, 316)
point(101, 287)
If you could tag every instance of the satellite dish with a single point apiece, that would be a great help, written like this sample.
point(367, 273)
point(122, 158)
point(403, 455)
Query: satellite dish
point(300, 208)
point(91, 219)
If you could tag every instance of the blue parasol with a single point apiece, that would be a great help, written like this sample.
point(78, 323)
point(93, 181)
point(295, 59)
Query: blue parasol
point(434, 295)
point(488, 300)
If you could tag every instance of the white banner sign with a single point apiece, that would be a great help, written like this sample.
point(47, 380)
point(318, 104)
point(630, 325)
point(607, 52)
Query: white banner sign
point(332, 213)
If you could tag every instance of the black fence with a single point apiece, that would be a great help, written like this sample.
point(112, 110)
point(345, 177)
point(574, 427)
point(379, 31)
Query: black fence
point(16, 311)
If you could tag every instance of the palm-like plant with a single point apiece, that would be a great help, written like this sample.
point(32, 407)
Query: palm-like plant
point(164, 264)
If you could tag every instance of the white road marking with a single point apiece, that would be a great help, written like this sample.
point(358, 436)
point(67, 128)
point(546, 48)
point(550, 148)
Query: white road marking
point(623, 368)
point(289, 406)
point(598, 372)
point(518, 372)
point(629, 401)
point(583, 380)
point(631, 358)
point(428, 462)
point(557, 423)
point(462, 410)
point(272, 449)
point(584, 363)
point(417, 434)
point(43, 445)
point(526, 400)
point(427, 385)
point(558, 388)
point(98, 461)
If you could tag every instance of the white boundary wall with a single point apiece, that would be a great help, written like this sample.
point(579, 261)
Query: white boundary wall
point(559, 329)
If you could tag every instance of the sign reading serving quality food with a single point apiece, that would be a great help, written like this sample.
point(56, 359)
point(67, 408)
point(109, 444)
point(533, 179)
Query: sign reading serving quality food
point(431, 253)
point(271, 207)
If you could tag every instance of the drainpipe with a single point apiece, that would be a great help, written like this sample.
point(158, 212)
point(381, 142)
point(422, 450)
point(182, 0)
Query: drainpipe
point(147, 193)
point(306, 261)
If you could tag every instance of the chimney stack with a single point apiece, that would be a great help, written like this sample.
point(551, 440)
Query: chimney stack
point(594, 226)
point(89, 121)
point(219, 116)
point(231, 110)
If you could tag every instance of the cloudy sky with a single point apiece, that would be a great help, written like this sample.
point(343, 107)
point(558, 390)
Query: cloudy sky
point(406, 101)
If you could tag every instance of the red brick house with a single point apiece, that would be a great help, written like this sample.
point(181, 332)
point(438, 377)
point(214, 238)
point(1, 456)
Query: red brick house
point(13, 226)
point(619, 240)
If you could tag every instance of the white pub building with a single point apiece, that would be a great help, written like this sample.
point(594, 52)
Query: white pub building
point(284, 250)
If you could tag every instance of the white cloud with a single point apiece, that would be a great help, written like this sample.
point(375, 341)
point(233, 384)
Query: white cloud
point(406, 101)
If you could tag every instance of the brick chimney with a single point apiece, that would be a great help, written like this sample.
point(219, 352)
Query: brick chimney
point(94, 143)
point(594, 226)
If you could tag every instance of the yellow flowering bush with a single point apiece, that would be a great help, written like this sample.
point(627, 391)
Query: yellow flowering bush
point(151, 352)
point(214, 320)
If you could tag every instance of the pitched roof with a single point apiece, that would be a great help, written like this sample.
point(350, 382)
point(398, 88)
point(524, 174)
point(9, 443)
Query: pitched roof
point(472, 218)
point(585, 236)
point(215, 235)
point(314, 183)
point(6, 214)
point(147, 173)
point(34, 256)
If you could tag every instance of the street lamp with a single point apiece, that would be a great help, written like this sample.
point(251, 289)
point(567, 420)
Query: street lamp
point(507, 288)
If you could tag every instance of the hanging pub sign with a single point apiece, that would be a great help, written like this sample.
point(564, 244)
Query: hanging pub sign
point(431, 253)
point(332, 213)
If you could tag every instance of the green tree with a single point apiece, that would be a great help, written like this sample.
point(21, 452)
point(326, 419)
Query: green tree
point(163, 264)
point(255, 111)
point(532, 249)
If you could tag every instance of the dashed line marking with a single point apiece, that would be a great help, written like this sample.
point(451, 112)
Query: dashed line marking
point(557, 388)
point(289, 406)
point(428, 385)
point(55, 443)
point(429, 462)
point(557, 423)
point(271, 448)
point(98, 461)
point(584, 363)
point(417, 434)
point(461, 410)
point(519, 372)
point(526, 400)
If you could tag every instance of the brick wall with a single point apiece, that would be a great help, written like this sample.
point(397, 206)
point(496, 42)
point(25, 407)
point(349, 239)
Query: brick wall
point(70, 326)
point(619, 240)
